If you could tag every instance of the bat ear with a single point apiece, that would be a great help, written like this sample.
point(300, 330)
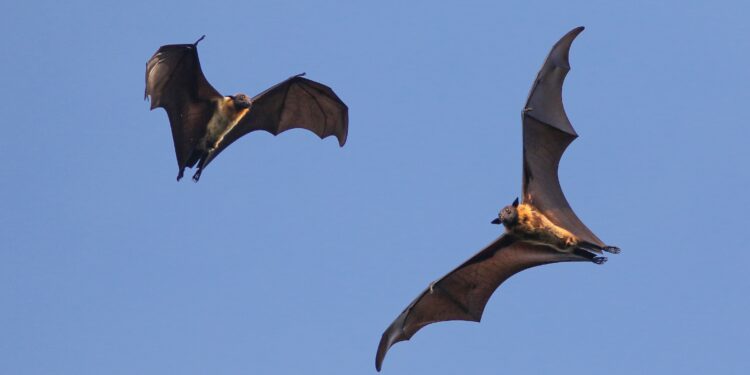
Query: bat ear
point(515, 203)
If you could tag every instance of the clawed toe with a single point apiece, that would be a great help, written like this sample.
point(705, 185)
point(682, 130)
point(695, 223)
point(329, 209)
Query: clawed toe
point(599, 260)
point(611, 249)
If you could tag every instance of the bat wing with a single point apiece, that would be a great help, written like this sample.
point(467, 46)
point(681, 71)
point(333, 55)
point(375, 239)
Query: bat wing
point(294, 103)
point(463, 293)
point(175, 82)
point(547, 132)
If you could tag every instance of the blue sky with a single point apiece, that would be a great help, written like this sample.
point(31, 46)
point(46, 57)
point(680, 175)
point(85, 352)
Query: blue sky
point(292, 255)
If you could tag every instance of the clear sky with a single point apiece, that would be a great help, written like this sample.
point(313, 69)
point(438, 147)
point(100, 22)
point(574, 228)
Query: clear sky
point(292, 255)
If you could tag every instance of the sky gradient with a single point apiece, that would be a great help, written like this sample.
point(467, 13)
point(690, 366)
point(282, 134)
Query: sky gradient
point(292, 255)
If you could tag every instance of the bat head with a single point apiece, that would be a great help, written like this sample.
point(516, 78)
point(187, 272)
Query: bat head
point(241, 101)
point(508, 216)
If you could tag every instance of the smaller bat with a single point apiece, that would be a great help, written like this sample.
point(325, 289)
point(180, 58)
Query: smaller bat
point(542, 229)
point(205, 122)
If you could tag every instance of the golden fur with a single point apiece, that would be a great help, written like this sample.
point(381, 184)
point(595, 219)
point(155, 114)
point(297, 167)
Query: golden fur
point(224, 119)
point(534, 227)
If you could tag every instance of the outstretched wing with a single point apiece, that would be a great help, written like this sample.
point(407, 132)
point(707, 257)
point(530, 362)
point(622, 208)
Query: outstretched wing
point(295, 103)
point(547, 132)
point(463, 293)
point(175, 82)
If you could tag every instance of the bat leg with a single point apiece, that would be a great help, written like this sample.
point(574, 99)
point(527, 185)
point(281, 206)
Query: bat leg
point(611, 249)
point(590, 256)
point(599, 260)
point(201, 164)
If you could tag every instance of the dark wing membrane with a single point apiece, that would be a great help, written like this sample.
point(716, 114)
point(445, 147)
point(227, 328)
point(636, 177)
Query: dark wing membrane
point(547, 132)
point(175, 82)
point(295, 103)
point(463, 293)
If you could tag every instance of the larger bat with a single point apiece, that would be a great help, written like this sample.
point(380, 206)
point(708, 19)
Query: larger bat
point(205, 122)
point(542, 229)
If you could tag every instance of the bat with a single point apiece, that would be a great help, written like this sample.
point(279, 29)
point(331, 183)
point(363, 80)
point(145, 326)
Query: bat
point(205, 122)
point(543, 229)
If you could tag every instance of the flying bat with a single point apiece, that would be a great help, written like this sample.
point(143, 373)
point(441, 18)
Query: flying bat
point(205, 122)
point(542, 229)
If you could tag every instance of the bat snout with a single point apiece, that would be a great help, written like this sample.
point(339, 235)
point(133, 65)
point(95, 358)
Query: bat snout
point(496, 221)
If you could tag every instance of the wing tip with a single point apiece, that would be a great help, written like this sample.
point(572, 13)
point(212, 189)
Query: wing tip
point(382, 350)
point(551, 98)
point(561, 50)
point(572, 34)
point(386, 341)
point(340, 138)
point(344, 133)
point(393, 334)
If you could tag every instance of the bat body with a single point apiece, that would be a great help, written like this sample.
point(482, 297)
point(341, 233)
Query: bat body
point(205, 122)
point(542, 229)
point(225, 117)
point(529, 225)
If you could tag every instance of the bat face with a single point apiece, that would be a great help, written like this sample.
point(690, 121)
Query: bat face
point(508, 216)
point(241, 101)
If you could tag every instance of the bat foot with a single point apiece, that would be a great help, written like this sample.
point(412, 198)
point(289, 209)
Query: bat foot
point(179, 175)
point(197, 176)
point(599, 260)
point(611, 249)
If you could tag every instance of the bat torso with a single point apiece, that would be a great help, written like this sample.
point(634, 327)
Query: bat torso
point(534, 227)
point(225, 117)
